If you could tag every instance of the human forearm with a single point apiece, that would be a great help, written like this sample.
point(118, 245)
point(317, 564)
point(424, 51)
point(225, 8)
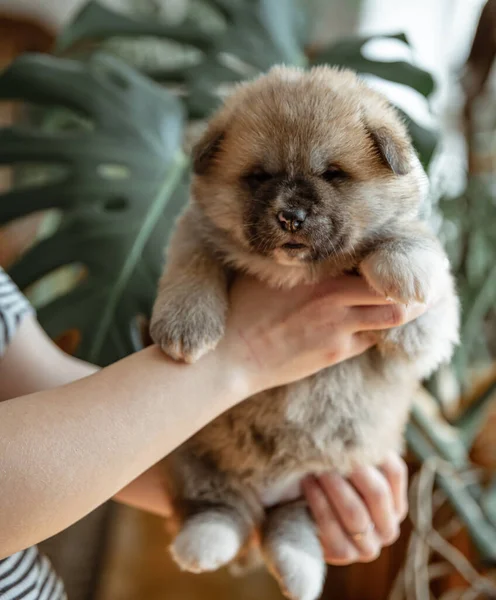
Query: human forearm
point(87, 438)
point(34, 363)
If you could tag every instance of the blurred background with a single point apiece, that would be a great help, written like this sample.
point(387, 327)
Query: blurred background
point(439, 72)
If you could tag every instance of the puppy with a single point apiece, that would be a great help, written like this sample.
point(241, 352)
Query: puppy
point(300, 176)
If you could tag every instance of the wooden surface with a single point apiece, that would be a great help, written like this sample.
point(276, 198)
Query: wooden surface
point(138, 566)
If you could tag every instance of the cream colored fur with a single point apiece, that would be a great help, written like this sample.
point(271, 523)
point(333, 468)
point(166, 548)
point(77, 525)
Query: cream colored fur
point(269, 149)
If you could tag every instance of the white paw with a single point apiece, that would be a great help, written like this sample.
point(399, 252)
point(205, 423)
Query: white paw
point(405, 278)
point(189, 336)
point(300, 574)
point(206, 542)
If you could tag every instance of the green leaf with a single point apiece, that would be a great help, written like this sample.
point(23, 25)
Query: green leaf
point(286, 25)
point(348, 53)
point(96, 22)
point(479, 258)
point(258, 35)
point(477, 304)
point(124, 187)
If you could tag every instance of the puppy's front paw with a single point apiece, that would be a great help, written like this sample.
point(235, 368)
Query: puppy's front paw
point(185, 330)
point(406, 277)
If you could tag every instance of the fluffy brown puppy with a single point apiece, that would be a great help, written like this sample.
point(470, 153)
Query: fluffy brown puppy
point(300, 176)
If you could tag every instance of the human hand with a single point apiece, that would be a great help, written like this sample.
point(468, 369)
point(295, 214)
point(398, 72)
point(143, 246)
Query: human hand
point(274, 337)
point(357, 517)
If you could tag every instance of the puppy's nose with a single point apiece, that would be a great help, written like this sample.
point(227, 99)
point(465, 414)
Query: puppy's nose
point(292, 219)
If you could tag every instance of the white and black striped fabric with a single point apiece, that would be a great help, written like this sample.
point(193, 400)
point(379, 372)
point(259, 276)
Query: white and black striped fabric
point(26, 575)
point(13, 307)
point(29, 575)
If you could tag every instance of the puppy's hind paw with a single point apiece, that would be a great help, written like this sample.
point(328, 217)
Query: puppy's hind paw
point(293, 552)
point(207, 542)
point(301, 575)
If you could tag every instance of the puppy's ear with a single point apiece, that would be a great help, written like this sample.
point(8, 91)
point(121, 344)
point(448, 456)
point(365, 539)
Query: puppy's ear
point(394, 148)
point(206, 149)
point(387, 132)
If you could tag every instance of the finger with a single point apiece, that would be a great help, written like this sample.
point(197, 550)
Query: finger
point(352, 290)
point(337, 547)
point(377, 495)
point(352, 514)
point(396, 473)
point(360, 342)
point(364, 318)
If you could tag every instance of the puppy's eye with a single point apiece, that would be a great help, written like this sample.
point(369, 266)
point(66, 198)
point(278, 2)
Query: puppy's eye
point(334, 173)
point(258, 176)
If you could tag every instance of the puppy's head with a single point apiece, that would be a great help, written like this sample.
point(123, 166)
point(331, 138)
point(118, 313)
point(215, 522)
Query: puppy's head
point(302, 166)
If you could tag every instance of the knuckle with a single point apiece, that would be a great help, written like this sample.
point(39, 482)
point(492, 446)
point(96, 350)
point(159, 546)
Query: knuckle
point(320, 511)
point(403, 512)
point(397, 314)
point(354, 515)
point(390, 535)
point(378, 492)
point(340, 554)
point(397, 467)
point(370, 555)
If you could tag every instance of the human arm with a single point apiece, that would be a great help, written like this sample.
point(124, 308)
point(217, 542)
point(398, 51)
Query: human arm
point(33, 364)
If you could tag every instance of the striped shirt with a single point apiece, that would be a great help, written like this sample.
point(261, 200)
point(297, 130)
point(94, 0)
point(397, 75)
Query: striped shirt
point(26, 575)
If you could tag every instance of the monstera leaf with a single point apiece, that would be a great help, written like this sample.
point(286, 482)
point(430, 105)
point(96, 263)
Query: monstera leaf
point(349, 52)
point(123, 184)
point(256, 34)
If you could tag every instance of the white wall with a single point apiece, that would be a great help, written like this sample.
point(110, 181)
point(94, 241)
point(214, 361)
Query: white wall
point(440, 31)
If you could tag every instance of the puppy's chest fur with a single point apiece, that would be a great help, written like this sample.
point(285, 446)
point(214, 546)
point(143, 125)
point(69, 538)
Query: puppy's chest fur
point(346, 415)
point(350, 414)
point(292, 175)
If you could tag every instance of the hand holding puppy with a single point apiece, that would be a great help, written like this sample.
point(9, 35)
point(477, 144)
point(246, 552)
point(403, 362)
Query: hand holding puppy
point(342, 317)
